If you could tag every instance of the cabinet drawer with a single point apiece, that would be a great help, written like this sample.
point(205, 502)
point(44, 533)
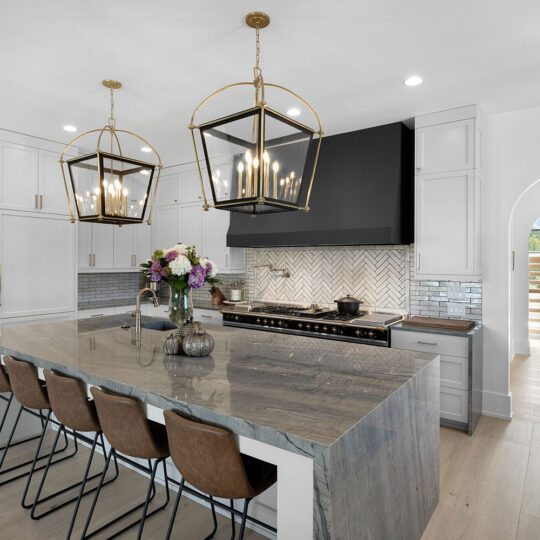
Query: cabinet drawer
point(427, 342)
point(454, 372)
point(454, 404)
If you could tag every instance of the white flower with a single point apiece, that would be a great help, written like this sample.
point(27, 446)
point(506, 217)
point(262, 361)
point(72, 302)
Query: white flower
point(210, 266)
point(180, 265)
point(179, 248)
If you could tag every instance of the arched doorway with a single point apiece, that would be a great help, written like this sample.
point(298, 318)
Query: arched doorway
point(534, 285)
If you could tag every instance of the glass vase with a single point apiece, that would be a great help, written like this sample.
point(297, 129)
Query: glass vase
point(180, 305)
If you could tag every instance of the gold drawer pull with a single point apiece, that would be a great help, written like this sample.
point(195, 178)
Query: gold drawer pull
point(427, 343)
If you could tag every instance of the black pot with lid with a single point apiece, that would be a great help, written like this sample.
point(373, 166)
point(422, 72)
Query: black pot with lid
point(348, 304)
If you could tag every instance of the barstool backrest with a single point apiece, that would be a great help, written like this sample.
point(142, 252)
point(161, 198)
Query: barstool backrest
point(125, 425)
point(207, 457)
point(4, 381)
point(25, 384)
point(70, 403)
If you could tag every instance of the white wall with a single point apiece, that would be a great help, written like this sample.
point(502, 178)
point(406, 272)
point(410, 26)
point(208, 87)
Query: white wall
point(526, 212)
point(512, 164)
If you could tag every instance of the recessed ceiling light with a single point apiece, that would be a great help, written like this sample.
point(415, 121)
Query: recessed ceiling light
point(146, 149)
point(145, 172)
point(69, 128)
point(293, 111)
point(413, 80)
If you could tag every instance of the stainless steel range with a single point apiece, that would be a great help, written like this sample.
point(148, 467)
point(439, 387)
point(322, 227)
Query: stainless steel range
point(365, 327)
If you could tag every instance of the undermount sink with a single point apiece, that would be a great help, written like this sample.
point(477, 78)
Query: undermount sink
point(161, 326)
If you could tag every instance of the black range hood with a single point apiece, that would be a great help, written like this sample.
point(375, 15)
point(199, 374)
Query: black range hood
point(362, 195)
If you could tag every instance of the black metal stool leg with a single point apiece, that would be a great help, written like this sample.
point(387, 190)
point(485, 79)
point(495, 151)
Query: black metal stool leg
point(44, 475)
point(233, 521)
point(175, 510)
point(147, 500)
point(211, 535)
point(8, 405)
point(244, 517)
point(10, 438)
point(83, 484)
point(34, 469)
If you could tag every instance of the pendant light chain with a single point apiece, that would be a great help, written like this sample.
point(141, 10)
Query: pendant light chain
point(112, 121)
point(257, 71)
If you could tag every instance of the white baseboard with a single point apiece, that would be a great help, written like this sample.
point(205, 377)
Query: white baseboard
point(497, 405)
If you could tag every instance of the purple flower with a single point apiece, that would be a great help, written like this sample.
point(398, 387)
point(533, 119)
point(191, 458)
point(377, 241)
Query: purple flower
point(197, 277)
point(171, 255)
point(155, 277)
point(156, 267)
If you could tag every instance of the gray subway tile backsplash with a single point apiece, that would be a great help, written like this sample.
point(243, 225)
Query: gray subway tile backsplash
point(381, 276)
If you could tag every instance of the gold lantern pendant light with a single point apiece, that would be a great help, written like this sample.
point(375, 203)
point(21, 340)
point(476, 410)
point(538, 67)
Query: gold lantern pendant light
point(258, 160)
point(106, 186)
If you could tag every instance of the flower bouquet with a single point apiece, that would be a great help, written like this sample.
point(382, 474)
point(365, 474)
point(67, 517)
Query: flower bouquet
point(183, 270)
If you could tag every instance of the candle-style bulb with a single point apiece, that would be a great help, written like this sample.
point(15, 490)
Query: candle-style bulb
point(282, 182)
point(266, 157)
point(97, 191)
point(255, 162)
point(275, 166)
point(125, 192)
point(117, 184)
point(240, 167)
point(292, 175)
point(248, 157)
point(111, 188)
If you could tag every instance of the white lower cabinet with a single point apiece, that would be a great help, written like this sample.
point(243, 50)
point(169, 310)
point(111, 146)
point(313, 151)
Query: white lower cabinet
point(37, 257)
point(454, 404)
point(455, 357)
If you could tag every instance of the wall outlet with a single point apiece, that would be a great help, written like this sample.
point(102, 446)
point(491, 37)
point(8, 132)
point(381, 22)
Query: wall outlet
point(456, 293)
point(456, 310)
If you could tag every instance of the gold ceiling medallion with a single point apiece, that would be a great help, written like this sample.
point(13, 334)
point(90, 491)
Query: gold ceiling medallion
point(106, 186)
point(258, 160)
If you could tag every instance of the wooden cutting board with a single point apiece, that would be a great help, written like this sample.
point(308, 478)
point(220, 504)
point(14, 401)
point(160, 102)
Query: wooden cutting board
point(443, 324)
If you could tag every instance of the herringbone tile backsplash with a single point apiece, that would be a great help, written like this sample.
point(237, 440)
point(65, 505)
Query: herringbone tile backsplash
point(377, 275)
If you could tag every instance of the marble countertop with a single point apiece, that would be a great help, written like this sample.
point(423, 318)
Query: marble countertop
point(294, 392)
point(430, 330)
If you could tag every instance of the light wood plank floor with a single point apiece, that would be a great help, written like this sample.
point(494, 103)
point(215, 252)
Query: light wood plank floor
point(490, 483)
point(193, 520)
point(489, 490)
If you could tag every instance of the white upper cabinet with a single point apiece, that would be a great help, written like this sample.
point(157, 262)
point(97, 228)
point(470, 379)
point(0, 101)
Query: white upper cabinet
point(190, 225)
point(142, 243)
point(52, 191)
point(447, 195)
point(31, 180)
point(104, 247)
point(27, 289)
point(168, 189)
point(18, 177)
point(445, 147)
point(123, 246)
point(165, 227)
point(190, 184)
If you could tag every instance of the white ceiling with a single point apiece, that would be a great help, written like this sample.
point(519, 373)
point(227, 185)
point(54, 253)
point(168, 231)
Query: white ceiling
point(346, 58)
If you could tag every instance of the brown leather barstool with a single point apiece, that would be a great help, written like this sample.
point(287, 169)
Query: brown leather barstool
point(32, 395)
point(208, 459)
point(129, 432)
point(71, 406)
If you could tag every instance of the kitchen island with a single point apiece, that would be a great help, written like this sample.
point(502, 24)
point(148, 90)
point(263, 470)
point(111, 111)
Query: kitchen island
point(353, 429)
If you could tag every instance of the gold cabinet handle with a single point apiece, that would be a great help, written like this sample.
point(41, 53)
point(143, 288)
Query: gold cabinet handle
point(94, 259)
point(89, 259)
point(35, 201)
point(428, 343)
point(41, 202)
